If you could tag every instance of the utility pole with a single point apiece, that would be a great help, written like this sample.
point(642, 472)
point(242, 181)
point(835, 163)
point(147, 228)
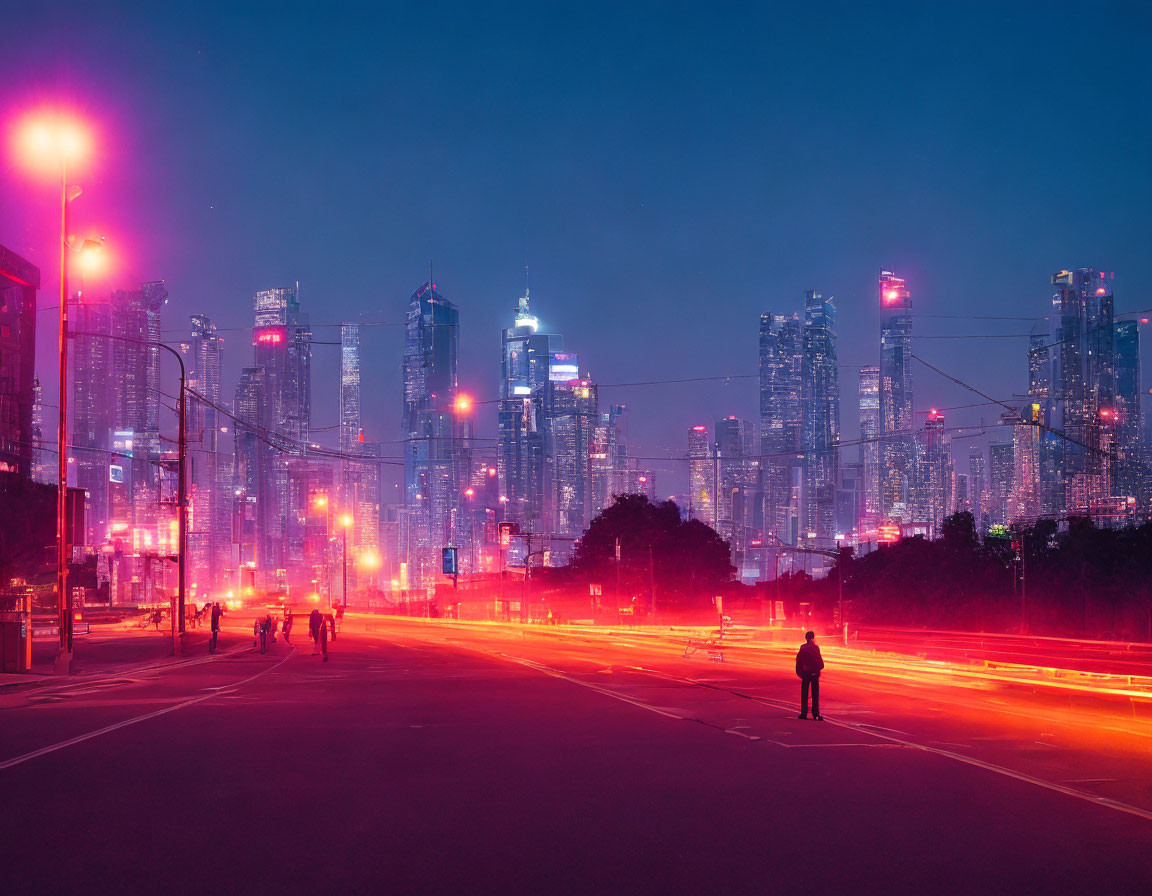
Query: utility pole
point(652, 580)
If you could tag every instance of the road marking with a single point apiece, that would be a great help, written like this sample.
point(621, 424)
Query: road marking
point(43, 751)
point(871, 731)
point(556, 673)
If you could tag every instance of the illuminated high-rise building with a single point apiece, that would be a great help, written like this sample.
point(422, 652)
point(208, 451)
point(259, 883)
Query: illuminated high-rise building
point(282, 341)
point(610, 467)
point(437, 423)
point(931, 487)
point(116, 434)
point(19, 281)
point(820, 412)
point(781, 424)
point(1083, 384)
point(736, 474)
point(570, 418)
point(978, 486)
point(253, 457)
point(1129, 477)
point(350, 426)
point(1001, 471)
point(869, 396)
point(210, 463)
point(895, 397)
point(701, 476)
point(527, 357)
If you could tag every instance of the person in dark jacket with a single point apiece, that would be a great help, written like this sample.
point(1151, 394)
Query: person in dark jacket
point(314, 623)
point(809, 663)
point(325, 621)
point(217, 612)
point(287, 626)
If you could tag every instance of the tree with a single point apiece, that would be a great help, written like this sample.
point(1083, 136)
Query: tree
point(687, 559)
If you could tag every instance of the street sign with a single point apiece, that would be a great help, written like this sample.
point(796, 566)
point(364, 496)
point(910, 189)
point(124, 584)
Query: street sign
point(448, 558)
point(595, 590)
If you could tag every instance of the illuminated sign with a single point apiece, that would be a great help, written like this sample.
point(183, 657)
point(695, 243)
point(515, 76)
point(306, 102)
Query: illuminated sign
point(271, 336)
point(563, 367)
point(448, 561)
point(889, 534)
point(521, 390)
point(116, 474)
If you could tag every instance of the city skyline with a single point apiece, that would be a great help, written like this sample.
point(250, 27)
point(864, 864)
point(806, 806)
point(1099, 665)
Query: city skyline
point(627, 246)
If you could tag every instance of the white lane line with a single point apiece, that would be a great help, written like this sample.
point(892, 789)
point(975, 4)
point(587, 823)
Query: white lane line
point(43, 751)
point(871, 731)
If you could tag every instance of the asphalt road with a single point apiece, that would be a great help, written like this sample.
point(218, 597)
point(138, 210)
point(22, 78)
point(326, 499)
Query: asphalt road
point(428, 758)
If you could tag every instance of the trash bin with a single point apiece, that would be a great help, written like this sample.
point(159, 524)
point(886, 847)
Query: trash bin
point(15, 642)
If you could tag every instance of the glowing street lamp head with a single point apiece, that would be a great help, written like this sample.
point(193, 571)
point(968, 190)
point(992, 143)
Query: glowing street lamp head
point(463, 404)
point(346, 520)
point(48, 139)
point(321, 501)
point(91, 257)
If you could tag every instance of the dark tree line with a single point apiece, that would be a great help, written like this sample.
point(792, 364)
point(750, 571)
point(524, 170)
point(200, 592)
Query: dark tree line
point(1080, 581)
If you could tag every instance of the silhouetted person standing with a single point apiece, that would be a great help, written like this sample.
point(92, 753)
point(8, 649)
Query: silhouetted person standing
point(287, 626)
point(314, 623)
point(809, 663)
point(217, 612)
point(325, 621)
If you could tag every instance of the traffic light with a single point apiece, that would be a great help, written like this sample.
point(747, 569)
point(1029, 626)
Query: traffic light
point(506, 530)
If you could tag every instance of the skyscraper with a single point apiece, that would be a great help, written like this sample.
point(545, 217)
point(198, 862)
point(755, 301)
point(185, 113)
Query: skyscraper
point(701, 476)
point(350, 427)
point(977, 486)
point(282, 341)
point(610, 468)
point(525, 362)
point(571, 416)
point(869, 392)
point(210, 467)
point(116, 435)
point(19, 281)
point(1001, 467)
point(820, 409)
point(252, 472)
point(1083, 383)
point(781, 424)
point(437, 462)
point(932, 473)
point(1129, 477)
point(736, 481)
point(895, 397)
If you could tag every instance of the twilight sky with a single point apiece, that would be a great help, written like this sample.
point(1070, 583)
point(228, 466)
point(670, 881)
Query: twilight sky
point(667, 171)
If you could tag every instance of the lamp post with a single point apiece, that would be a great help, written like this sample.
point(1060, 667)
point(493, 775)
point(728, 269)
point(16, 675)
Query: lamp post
point(50, 141)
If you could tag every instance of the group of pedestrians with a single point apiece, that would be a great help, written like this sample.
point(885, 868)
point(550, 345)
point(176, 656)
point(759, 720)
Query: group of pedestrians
point(321, 628)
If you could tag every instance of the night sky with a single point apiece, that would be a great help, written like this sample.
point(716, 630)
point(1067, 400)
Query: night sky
point(667, 172)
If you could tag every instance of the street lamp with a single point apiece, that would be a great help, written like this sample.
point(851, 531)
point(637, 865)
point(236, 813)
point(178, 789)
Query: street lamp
point(48, 142)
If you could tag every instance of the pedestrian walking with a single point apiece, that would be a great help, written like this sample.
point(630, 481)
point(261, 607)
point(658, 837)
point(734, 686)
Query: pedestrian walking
point(217, 612)
point(314, 622)
point(809, 664)
point(324, 623)
point(287, 626)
